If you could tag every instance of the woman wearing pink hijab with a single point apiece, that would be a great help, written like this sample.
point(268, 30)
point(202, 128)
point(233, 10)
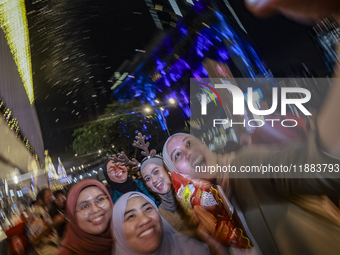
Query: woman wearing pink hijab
point(89, 230)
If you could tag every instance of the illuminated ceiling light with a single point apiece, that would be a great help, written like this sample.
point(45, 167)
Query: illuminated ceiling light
point(16, 179)
point(14, 24)
point(172, 101)
point(204, 24)
point(162, 109)
point(100, 151)
point(147, 109)
point(156, 101)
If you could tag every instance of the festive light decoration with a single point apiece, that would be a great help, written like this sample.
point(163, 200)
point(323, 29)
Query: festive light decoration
point(61, 170)
point(14, 24)
point(180, 56)
point(14, 125)
point(49, 168)
point(327, 36)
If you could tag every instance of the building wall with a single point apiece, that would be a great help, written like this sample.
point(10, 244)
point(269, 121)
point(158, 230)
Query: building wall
point(12, 92)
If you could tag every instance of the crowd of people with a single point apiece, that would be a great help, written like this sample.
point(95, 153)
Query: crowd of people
point(281, 214)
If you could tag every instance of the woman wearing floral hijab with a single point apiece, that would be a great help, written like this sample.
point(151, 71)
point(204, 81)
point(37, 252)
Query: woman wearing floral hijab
point(139, 229)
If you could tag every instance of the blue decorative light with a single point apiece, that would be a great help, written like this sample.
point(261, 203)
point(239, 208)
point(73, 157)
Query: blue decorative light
point(167, 72)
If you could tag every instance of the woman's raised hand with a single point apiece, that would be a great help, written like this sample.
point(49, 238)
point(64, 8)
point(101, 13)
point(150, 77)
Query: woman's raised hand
point(300, 10)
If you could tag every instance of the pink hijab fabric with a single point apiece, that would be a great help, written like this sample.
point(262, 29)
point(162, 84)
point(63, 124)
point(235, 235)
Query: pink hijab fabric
point(76, 241)
point(173, 242)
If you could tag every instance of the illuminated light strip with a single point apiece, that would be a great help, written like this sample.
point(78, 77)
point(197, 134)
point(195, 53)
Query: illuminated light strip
point(13, 21)
point(14, 125)
point(234, 14)
point(154, 14)
point(175, 7)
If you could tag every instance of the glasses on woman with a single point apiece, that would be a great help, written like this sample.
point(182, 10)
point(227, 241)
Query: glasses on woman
point(85, 208)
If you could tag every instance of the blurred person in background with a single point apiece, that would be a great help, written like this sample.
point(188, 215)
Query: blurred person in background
point(116, 174)
point(140, 177)
point(45, 199)
point(89, 231)
point(140, 229)
point(41, 230)
point(59, 208)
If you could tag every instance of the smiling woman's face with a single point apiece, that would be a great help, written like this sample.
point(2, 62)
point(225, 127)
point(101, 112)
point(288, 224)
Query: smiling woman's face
point(116, 171)
point(188, 153)
point(156, 178)
point(143, 226)
point(93, 211)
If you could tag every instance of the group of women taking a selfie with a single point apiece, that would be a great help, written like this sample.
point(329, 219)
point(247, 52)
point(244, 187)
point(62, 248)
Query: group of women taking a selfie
point(281, 215)
point(127, 218)
point(136, 224)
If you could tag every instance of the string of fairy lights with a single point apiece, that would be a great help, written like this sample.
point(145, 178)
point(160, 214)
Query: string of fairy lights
point(14, 125)
point(13, 22)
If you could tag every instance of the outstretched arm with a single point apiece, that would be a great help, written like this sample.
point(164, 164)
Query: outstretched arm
point(328, 121)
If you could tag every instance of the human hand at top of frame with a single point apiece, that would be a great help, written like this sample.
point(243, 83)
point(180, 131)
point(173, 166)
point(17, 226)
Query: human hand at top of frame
point(305, 11)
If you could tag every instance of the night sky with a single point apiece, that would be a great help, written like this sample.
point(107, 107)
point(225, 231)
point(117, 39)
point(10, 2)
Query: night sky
point(77, 45)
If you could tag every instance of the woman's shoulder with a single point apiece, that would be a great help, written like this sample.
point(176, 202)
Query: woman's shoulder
point(115, 194)
point(180, 222)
